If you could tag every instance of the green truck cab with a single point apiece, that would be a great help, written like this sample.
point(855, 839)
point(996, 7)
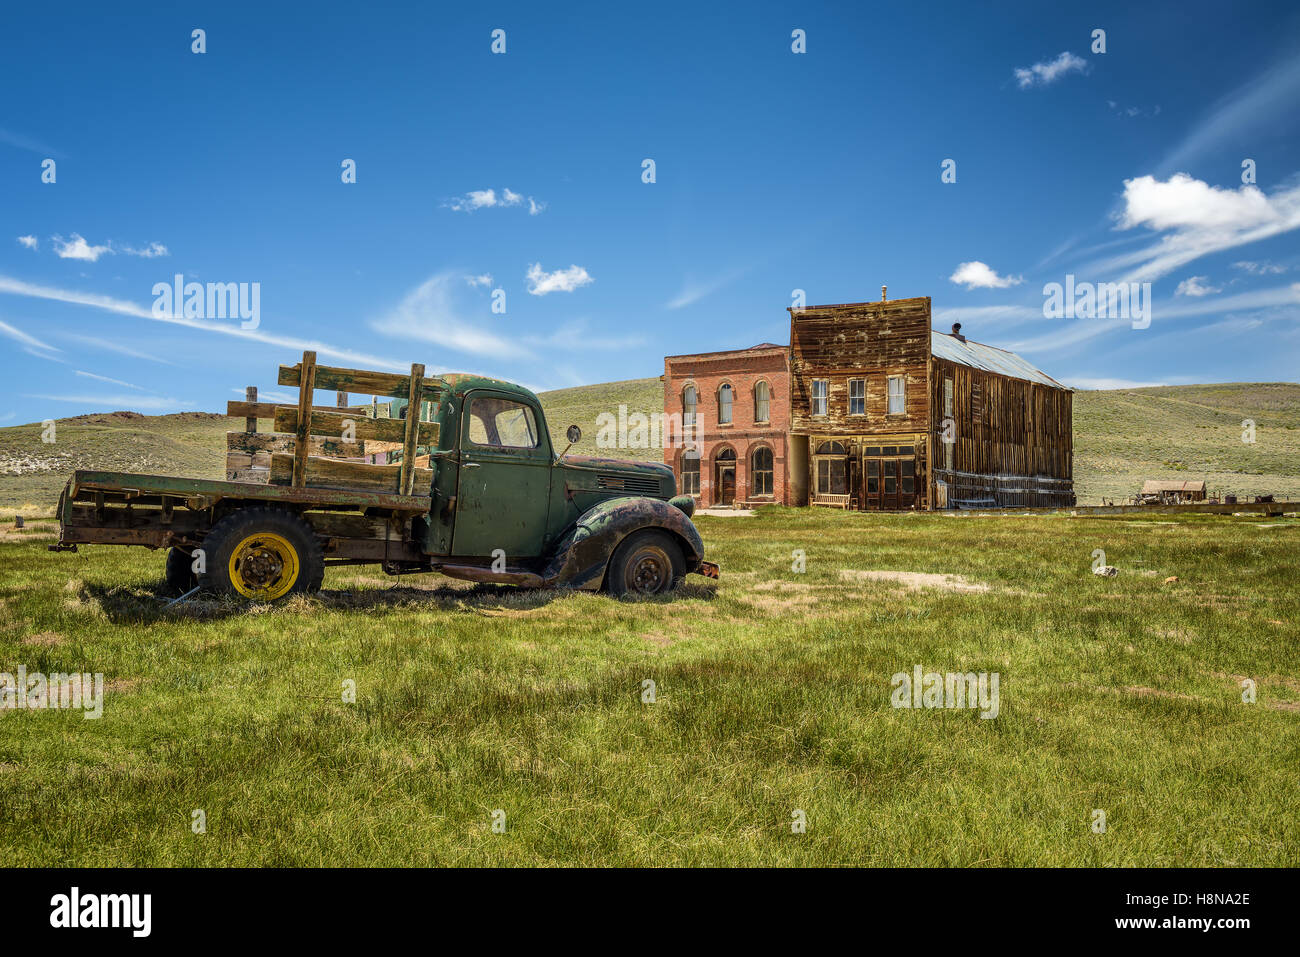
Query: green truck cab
point(497, 502)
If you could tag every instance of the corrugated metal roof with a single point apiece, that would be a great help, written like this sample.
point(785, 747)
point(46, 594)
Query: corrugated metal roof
point(989, 358)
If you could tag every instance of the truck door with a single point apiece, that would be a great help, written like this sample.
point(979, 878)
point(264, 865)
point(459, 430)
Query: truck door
point(503, 491)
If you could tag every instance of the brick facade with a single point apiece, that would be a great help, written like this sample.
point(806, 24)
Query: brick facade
point(743, 370)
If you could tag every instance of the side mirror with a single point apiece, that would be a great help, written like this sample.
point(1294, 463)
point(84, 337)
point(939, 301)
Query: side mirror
point(573, 434)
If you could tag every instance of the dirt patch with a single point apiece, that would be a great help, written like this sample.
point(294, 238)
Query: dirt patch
point(46, 639)
point(120, 685)
point(660, 639)
point(914, 581)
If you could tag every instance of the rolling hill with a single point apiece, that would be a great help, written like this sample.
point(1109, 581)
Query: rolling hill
point(1121, 437)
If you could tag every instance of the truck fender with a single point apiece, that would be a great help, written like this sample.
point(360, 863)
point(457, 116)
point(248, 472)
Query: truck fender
point(584, 550)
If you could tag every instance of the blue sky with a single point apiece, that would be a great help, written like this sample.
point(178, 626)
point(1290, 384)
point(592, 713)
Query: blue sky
point(774, 171)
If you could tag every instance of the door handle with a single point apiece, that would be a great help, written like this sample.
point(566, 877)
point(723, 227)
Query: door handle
point(471, 465)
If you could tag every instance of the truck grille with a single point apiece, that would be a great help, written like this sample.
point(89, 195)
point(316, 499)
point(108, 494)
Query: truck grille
point(632, 484)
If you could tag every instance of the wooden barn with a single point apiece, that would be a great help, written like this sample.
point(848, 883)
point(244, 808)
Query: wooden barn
point(897, 416)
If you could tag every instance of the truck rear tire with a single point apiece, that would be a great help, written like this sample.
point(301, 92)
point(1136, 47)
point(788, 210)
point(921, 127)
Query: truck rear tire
point(647, 562)
point(262, 554)
point(179, 571)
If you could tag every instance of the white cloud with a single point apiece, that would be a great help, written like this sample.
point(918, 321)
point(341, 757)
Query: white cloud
point(541, 282)
point(1184, 202)
point(31, 242)
point(489, 198)
point(1196, 286)
point(78, 248)
point(429, 313)
point(1198, 219)
point(484, 280)
point(978, 275)
point(1049, 71)
point(1260, 269)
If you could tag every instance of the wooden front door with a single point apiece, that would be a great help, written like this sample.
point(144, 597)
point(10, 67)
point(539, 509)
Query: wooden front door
point(726, 484)
point(889, 477)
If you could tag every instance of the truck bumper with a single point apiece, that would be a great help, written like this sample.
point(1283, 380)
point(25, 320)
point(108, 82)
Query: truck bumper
point(709, 570)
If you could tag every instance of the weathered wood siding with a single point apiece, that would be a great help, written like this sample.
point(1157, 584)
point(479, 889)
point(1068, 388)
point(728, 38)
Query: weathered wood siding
point(1014, 438)
point(870, 341)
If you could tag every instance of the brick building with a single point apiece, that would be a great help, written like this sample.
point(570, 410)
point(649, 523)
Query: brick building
point(728, 415)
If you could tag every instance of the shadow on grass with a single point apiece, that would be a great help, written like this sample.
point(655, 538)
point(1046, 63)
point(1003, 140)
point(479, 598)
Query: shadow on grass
point(142, 605)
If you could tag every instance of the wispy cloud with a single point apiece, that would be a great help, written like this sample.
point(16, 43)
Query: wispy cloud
point(104, 378)
point(483, 280)
point(1084, 382)
point(430, 313)
point(27, 143)
point(978, 275)
point(576, 336)
point(541, 282)
point(151, 251)
point(1235, 118)
point(11, 332)
point(1049, 71)
point(489, 198)
point(122, 307)
point(150, 402)
point(106, 346)
point(270, 395)
point(1260, 269)
point(31, 242)
point(693, 290)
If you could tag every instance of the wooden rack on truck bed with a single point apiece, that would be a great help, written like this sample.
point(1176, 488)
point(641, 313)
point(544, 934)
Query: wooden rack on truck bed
point(494, 504)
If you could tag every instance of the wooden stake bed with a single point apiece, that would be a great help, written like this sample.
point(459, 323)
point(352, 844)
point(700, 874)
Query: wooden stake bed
point(328, 448)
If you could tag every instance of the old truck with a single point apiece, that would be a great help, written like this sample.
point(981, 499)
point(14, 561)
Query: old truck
point(489, 500)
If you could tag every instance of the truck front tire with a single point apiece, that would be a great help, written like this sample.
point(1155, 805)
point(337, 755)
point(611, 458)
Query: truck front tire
point(262, 554)
point(647, 562)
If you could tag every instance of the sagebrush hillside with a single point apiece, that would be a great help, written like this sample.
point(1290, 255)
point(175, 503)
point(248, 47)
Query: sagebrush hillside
point(1121, 438)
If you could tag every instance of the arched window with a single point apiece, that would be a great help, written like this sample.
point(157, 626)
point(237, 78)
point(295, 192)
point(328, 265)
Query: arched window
point(726, 455)
point(724, 405)
point(831, 467)
point(690, 472)
point(689, 399)
point(761, 473)
point(830, 448)
point(762, 401)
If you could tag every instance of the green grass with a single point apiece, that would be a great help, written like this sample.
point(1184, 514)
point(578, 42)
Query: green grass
point(773, 695)
point(1121, 438)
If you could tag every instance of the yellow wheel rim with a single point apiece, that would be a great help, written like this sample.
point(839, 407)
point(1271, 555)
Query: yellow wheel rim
point(264, 566)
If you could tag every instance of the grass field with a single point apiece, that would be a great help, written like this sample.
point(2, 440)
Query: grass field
point(1121, 438)
point(772, 695)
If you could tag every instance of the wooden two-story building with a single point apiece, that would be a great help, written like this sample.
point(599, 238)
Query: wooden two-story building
point(890, 414)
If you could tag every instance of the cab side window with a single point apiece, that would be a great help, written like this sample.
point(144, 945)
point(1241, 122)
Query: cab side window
point(501, 423)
